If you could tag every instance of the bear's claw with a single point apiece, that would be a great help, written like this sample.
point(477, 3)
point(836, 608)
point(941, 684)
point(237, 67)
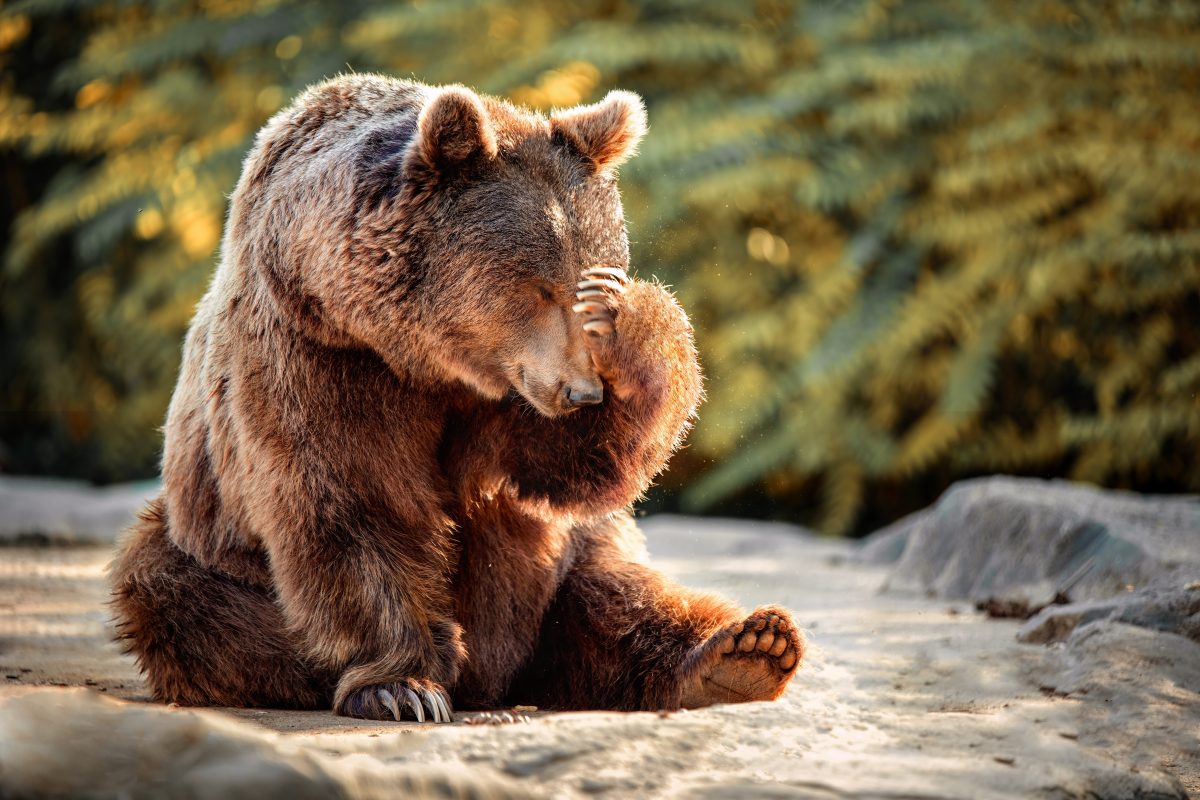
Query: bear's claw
point(396, 700)
point(600, 283)
point(597, 294)
point(588, 307)
point(615, 273)
point(599, 327)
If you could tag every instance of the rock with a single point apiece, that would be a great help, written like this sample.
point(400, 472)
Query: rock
point(1107, 660)
point(1121, 678)
point(1024, 540)
point(1169, 609)
point(39, 510)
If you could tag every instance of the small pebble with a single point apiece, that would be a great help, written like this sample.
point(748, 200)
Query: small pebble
point(496, 718)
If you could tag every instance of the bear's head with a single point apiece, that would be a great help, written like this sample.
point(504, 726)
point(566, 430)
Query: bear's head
point(501, 210)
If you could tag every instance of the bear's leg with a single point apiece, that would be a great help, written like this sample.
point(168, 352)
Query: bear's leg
point(619, 635)
point(200, 636)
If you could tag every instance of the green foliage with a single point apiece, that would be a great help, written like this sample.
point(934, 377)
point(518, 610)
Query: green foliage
point(919, 240)
point(1010, 191)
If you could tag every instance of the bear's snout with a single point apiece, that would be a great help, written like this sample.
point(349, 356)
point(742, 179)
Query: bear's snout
point(582, 393)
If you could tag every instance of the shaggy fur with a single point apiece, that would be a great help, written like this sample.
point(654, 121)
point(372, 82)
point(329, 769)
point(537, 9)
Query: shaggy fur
point(379, 473)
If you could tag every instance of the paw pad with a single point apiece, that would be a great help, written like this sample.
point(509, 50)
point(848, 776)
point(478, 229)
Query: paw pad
point(753, 660)
point(769, 635)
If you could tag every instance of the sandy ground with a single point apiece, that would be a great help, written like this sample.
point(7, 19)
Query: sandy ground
point(901, 696)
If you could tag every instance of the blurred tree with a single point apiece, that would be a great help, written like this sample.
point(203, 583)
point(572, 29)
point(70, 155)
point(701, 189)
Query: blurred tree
point(920, 241)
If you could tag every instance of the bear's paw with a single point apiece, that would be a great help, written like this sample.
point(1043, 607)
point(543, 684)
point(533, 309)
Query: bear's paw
point(748, 661)
point(404, 699)
point(598, 294)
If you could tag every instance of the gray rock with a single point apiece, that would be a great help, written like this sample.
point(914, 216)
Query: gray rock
point(1025, 540)
point(49, 509)
point(1170, 609)
point(1122, 666)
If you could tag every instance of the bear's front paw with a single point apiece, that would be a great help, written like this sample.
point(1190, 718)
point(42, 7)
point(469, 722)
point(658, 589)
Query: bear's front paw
point(750, 660)
point(407, 698)
point(600, 294)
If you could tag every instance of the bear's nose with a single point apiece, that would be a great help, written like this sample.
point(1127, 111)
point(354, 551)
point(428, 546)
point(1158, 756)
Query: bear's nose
point(582, 395)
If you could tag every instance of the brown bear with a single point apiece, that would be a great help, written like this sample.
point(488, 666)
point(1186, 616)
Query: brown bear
point(414, 408)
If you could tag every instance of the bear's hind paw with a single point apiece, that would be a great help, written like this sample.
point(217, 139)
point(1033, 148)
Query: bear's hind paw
point(751, 660)
point(397, 700)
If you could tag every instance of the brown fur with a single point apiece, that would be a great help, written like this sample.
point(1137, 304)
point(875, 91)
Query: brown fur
point(370, 475)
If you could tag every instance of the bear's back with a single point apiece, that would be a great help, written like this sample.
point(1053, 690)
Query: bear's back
point(331, 131)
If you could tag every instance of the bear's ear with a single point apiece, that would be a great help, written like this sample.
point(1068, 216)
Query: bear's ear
point(451, 129)
point(605, 133)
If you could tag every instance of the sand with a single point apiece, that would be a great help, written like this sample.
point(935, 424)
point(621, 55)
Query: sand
point(901, 696)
